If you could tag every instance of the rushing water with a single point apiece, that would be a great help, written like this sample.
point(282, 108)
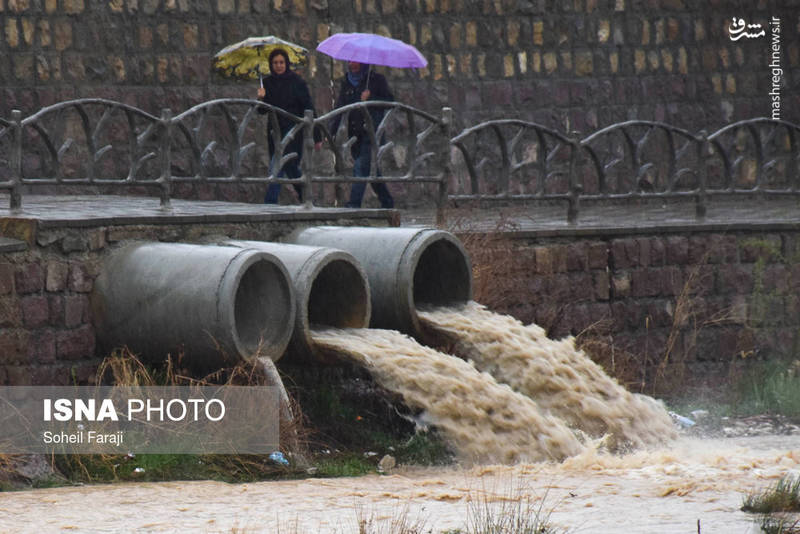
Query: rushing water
point(520, 397)
point(483, 420)
point(560, 378)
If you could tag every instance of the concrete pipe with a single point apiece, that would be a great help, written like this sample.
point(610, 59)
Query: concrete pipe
point(216, 305)
point(330, 287)
point(406, 267)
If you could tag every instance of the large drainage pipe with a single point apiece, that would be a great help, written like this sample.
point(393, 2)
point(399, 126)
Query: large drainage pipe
point(407, 268)
point(330, 287)
point(215, 305)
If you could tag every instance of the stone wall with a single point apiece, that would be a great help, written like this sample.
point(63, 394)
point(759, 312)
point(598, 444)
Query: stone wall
point(576, 65)
point(707, 298)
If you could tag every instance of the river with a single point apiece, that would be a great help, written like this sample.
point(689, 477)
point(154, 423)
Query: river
point(665, 490)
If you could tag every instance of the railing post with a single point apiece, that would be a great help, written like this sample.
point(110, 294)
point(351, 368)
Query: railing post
point(575, 188)
point(165, 180)
point(700, 198)
point(444, 184)
point(307, 161)
point(15, 196)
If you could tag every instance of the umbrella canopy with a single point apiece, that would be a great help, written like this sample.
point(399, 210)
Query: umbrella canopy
point(373, 50)
point(249, 59)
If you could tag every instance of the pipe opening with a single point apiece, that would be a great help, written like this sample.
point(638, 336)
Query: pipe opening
point(339, 297)
point(442, 276)
point(260, 305)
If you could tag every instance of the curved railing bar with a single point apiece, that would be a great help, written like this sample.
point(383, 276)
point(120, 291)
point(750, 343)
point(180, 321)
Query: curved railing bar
point(547, 159)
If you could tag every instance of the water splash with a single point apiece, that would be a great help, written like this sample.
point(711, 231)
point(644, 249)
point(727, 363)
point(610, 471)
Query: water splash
point(520, 396)
point(559, 377)
point(484, 421)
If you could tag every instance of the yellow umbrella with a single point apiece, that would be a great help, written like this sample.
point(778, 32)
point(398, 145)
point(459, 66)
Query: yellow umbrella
point(249, 59)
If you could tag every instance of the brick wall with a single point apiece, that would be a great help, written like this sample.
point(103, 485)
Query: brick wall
point(712, 298)
point(575, 65)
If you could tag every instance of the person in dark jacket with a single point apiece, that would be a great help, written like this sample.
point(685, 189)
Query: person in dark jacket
point(360, 85)
point(285, 89)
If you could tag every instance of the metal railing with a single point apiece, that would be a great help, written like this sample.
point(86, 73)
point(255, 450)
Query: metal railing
point(104, 143)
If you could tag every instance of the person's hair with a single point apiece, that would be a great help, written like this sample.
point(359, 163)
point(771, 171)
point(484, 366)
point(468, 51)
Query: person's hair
point(281, 52)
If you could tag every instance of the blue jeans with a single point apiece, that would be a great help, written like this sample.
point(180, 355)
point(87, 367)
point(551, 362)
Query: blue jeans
point(290, 170)
point(361, 169)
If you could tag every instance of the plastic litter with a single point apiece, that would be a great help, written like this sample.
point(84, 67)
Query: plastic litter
point(683, 422)
point(278, 458)
point(386, 464)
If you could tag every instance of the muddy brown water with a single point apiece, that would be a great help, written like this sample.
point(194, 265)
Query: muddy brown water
point(535, 424)
point(661, 491)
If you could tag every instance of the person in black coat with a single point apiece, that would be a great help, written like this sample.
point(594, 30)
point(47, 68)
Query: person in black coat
point(285, 89)
point(360, 85)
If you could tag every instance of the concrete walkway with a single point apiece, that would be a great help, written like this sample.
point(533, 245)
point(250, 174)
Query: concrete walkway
point(533, 220)
point(49, 211)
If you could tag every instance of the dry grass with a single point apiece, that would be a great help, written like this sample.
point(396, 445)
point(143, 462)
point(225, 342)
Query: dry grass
point(495, 265)
point(123, 368)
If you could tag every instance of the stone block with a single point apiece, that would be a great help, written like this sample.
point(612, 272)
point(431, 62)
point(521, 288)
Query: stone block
point(645, 283)
point(56, 305)
point(544, 260)
point(73, 7)
point(621, 286)
point(602, 285)
point(624, 253)
point(776, 279)
point(42, 347)
point(76, 310)
point(672, 280)
point(79, 280)
point(75, 344)
point(766, 249)
point(700, 279)
point(577, 259)
point(12, 346)
point(35, 311)
point(19, 375)
point(736, 279)
point(677, 250)
point(660, 312)
point(62, 35)
point(10, 312)
point(598, 255)
point(6, 278)
point(627, 315)
point(581, 286)
point(29, 278)
point(722, 248)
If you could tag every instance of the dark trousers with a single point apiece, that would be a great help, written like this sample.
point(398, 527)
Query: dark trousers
point(361, 169)
point(290, 170)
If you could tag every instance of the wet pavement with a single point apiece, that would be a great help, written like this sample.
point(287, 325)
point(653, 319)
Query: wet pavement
point(630, 218)
point(542, 220)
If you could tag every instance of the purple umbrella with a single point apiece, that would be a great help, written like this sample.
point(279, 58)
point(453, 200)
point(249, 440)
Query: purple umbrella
point(373, 50)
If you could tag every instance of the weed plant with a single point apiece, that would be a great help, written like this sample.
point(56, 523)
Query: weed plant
point(784, 496)
point(778, 507)
point(768, 387)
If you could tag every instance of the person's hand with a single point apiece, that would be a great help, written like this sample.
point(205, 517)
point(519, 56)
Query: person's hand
point(365, 95)
point(261, 92)
point(317, 145)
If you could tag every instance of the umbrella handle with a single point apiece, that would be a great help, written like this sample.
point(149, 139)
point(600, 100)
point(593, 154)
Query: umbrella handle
point(261, 79)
